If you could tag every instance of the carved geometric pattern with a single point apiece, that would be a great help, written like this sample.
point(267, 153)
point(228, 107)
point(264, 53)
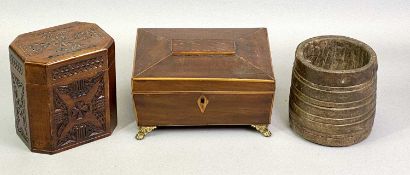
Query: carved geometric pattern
point(20, 107)
point(78, 67)
point(62, 41)
point(16, 64)
point(79, 110)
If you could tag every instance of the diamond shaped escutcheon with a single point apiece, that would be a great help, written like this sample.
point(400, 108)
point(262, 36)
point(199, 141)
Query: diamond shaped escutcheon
point(202, 103)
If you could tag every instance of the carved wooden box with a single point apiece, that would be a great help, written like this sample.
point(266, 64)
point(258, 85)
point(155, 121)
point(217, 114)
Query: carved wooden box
point(63, 82)
point(192, 77)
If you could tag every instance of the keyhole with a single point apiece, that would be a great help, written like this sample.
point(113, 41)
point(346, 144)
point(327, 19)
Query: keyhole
point(202, 103)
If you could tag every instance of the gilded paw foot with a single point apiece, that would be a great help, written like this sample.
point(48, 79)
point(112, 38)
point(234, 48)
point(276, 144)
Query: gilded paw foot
point(144, 130)
point(263, 129)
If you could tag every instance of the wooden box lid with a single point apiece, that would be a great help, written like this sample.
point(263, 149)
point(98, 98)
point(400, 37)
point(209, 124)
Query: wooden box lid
point(202, 60)
point(52, 53)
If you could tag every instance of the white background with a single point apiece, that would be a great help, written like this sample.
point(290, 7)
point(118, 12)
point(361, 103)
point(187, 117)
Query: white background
point(384, 25)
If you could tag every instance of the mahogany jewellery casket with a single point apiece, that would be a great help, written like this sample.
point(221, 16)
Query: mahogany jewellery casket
point(63, 82)
point(197, 77)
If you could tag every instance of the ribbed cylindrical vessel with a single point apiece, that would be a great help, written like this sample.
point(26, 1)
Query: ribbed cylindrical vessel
point(332, 98)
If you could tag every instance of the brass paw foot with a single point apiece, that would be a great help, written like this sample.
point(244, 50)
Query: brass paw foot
point(263, 129)
point(144, 130)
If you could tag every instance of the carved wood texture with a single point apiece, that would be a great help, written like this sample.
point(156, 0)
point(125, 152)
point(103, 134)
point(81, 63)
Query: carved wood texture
point(62, 41)
point(79, 110)
point(20, 107)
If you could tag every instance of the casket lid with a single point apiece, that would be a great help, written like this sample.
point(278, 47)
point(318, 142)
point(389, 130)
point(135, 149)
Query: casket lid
point(202, 55)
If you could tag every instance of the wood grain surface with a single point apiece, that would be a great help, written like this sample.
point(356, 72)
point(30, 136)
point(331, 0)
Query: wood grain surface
point(202, 77)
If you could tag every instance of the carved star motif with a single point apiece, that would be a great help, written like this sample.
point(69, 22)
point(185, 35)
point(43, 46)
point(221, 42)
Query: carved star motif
point(80, 109)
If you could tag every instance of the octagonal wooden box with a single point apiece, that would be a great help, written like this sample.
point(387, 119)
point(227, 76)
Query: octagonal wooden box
point(194, 77)
point(63, 82)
